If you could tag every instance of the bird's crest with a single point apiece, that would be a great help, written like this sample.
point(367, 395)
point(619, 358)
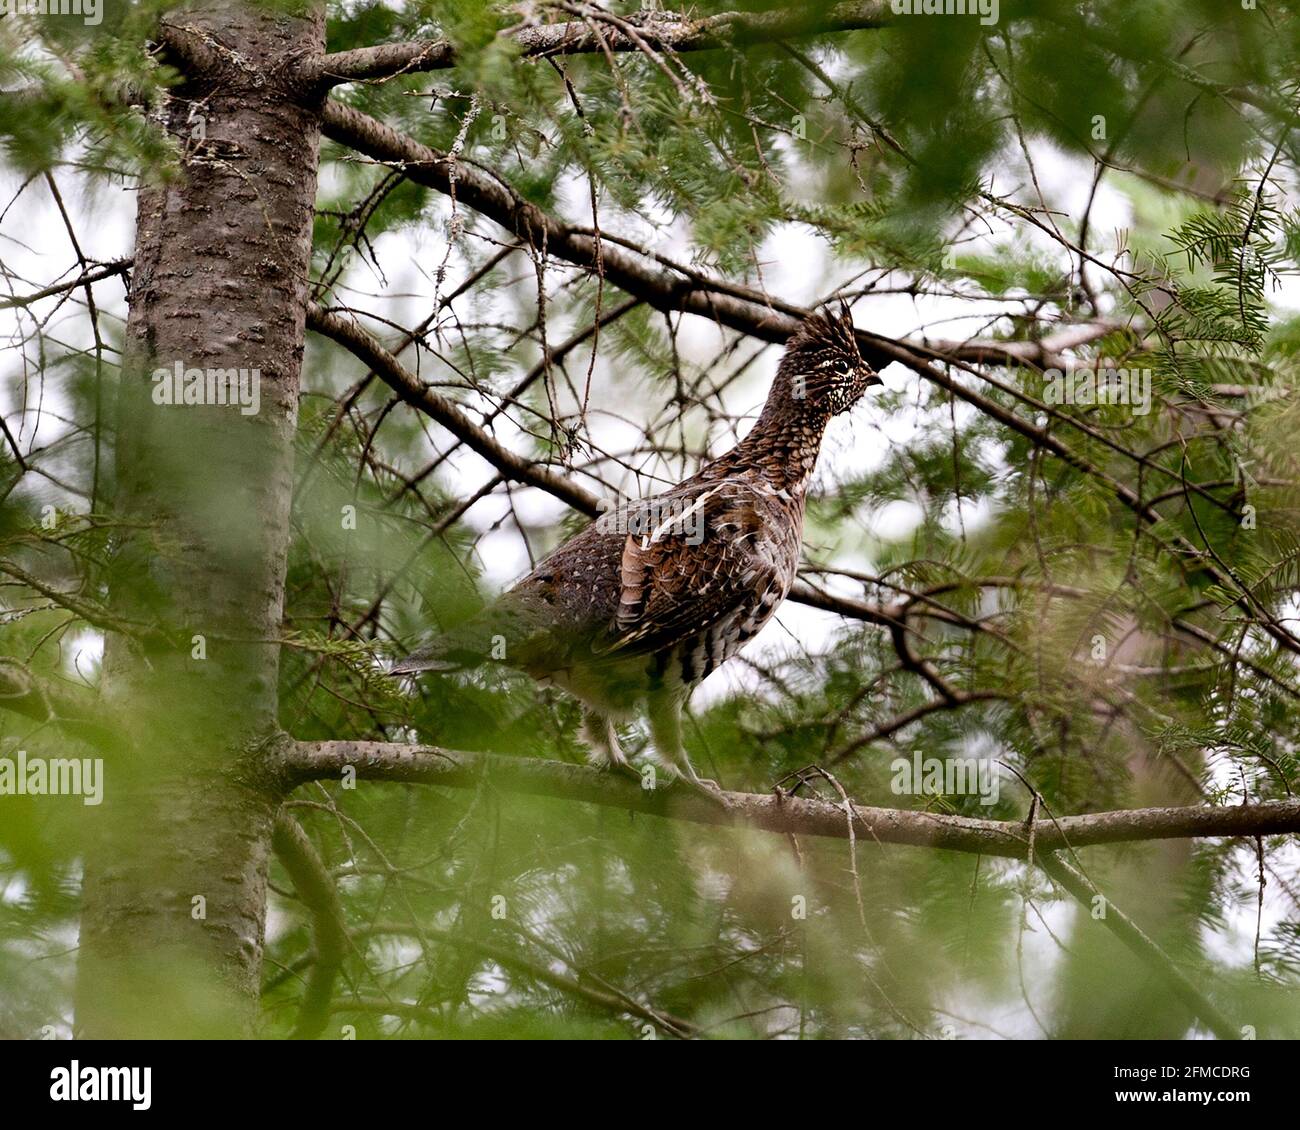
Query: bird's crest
point(823, 370)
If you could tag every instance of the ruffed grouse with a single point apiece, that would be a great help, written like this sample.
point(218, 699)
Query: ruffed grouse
point(642, 605)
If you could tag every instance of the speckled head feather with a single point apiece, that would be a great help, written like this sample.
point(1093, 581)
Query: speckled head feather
point(821, 374)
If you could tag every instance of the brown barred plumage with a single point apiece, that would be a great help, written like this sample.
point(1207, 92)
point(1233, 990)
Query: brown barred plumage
point(627, 621)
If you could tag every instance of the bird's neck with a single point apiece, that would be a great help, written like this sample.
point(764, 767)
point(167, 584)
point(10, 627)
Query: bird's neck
point(782, 446)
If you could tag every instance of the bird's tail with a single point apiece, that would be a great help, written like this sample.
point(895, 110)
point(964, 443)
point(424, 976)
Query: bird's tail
point(446, 654)
point(478, 641)
point(423, 660)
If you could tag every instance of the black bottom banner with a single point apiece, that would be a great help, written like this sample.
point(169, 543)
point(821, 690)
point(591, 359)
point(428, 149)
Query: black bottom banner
point(341, 1078)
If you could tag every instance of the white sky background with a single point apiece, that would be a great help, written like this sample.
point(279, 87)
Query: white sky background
point(796, 266)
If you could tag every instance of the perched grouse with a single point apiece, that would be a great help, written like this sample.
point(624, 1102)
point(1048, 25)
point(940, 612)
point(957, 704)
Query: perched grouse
point(642, 605)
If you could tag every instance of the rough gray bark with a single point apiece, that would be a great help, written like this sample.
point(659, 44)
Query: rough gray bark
point(175, 880)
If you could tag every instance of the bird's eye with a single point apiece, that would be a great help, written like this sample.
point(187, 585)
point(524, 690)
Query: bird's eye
point(837, 365)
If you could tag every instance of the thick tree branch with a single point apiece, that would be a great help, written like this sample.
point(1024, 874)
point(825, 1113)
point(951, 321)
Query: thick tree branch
point(1046, 353)
point(670, 286)
point(814, 597)
point(637, 274)
point(298, 762)
point(662, 31)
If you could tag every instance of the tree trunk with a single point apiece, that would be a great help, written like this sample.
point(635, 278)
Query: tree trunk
point(174, 903)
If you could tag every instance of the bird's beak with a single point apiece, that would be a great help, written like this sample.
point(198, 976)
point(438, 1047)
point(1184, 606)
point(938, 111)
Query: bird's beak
point(870, 378)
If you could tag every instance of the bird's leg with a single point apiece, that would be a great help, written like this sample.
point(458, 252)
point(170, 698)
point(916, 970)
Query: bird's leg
point(601, 737)
point(665, 715)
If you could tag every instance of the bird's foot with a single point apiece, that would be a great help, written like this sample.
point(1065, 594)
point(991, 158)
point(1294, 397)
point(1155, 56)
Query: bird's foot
point(706, 788)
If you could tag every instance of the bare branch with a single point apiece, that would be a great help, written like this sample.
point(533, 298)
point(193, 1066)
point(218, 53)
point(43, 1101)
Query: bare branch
point(298, 762)
point(95, 274)
point(446, 412)
point(654, 29)
point(642, 276)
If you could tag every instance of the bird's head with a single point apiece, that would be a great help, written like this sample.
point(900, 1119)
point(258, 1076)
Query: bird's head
point(822, 364)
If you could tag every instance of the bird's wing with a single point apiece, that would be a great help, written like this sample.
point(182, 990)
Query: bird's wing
point(715, 550)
